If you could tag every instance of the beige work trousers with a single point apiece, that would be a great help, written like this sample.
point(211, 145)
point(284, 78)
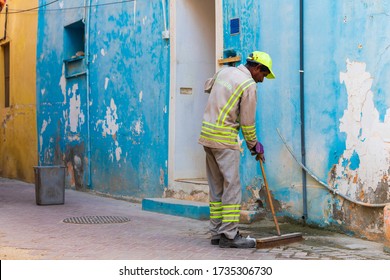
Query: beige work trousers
point(222, 166)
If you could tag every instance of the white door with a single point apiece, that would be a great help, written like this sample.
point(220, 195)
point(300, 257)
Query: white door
point(193, 60)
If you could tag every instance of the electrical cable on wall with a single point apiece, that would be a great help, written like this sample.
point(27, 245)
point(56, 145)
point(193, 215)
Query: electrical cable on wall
point(332, 190)
point(31, 9)
point(37, 9)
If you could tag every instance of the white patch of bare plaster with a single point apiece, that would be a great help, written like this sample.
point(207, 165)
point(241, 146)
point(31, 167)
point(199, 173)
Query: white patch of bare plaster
point(61, 4)
point(43, 91)
point(43, 129)
point(106, 80)
point(137, 127)
point(110, 127)
point(118, 151)
point(140, 96)
point(62, 83)
point(102, 52)
point(76, 117)
point(115, 154)
point(366, 159)
point(109, 124)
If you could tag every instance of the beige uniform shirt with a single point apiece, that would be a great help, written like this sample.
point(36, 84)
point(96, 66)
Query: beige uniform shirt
point(231, 106)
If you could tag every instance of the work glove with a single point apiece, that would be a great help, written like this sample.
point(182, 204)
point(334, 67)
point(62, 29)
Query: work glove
point(258, 151)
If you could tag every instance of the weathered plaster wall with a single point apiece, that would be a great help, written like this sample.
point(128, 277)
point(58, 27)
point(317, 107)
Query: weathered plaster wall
point(111, 121)
point(109, 126)
point(18, 137)
point(347, 126)
point(346, 105)
point(278, 100)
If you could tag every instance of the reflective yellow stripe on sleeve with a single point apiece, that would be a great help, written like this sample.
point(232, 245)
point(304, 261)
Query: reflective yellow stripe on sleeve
point(249, 132)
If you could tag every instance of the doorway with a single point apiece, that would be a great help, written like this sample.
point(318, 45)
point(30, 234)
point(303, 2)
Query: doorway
point(194, 47)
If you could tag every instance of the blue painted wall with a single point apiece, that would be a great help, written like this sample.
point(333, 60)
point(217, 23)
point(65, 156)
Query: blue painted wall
point(109, 125)
point(278, 100)
point(346, 62)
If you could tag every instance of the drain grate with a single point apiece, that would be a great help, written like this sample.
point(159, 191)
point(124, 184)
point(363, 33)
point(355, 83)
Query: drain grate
point(96, 220)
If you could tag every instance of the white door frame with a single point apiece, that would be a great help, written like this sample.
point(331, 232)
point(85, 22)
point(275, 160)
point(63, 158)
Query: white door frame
point(172, 79)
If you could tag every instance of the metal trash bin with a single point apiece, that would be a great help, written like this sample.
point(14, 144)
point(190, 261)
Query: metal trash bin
point(49, 185)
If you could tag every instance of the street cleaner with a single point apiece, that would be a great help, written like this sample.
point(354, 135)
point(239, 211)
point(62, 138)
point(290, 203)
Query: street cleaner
point(231, 106)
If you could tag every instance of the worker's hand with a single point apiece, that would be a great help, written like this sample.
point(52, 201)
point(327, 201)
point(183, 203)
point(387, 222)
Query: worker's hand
point(258, 150)
point(260, 157)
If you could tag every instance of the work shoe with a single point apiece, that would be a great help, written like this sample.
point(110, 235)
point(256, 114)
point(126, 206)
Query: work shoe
point(215, 241)
point(237, 242)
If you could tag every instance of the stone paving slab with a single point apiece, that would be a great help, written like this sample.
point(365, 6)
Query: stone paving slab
point(29, 231)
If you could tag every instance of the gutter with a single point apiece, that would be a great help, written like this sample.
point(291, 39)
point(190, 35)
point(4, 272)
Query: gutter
point(302, 107)
point(87, 23)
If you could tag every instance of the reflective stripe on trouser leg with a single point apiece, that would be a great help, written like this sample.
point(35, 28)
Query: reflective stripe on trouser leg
point(224, 183)
point(231, 213)
point(215, 210)
point(215, 181)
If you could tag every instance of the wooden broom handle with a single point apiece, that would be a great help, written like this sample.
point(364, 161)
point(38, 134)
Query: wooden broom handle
point(269, 197)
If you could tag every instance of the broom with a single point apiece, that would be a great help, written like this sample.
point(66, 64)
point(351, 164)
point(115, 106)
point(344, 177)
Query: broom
point(280, 239)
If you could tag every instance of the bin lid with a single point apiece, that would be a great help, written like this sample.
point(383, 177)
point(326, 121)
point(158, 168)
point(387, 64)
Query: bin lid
point(49, 166)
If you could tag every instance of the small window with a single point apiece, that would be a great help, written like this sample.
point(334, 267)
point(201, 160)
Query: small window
point(5, 49)
point(74, 40)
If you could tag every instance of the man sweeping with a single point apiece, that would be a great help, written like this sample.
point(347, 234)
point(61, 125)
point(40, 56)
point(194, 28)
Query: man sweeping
point(231, 106)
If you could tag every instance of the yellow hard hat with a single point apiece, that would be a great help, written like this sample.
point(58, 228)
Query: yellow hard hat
point(262, 58)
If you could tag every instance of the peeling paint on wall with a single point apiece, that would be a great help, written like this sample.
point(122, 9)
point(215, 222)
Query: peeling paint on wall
point(118, 151)
point(195, 195)
point(106, 80)
point(43, 129)
point(62, 83)
point(121, 38)
point(363, 170)
point(109, 124)
point(137, 127)
point(76, 117)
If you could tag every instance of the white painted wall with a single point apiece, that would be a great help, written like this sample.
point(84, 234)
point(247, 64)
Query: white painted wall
point(195, 62)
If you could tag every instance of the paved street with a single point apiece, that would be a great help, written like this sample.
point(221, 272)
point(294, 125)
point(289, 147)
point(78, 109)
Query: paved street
point(29, 231)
